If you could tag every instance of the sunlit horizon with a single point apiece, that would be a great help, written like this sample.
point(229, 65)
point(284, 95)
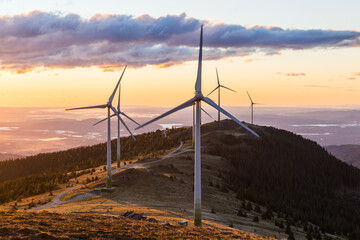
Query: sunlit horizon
point(60, 55)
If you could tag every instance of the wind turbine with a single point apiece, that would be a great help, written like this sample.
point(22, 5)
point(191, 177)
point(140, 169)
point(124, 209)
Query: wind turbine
point(197, 100)
point(109, 106)
point(118, 125)
point(219, 86)
point(252, 107)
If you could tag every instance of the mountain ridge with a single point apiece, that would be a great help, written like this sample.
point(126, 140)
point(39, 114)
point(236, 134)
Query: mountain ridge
point(349, 153)
point(8, 156)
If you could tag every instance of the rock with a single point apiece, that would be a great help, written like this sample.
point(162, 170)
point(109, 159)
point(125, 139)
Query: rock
point(152, 220)
point(167, 224)
point(126, 214)
point(136, 216)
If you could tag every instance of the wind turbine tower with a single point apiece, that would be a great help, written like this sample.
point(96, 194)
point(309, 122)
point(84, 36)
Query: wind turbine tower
point(193, 126)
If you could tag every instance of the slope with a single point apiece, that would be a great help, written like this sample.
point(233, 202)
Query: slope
point(349, 153)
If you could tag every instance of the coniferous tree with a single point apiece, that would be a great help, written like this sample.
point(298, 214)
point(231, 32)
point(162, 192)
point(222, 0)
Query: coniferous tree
point(308, 235)
point(249, 206)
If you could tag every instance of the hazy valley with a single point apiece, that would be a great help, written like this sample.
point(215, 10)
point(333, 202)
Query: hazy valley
point(54, 129)
point(348, 153)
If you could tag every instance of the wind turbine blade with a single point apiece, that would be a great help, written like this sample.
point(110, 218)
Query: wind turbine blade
point(198, 79)
point(114, 110)
point(118, 105)
point(103, 120)
point(97, 106)
point(99, 121)
point(113, 94)
point(206, 112)
point(182, 106)
point(227, 88)
point(213, 90)
point(249, 97)
point(122, 113)
point(217, 77)
point(214, 105)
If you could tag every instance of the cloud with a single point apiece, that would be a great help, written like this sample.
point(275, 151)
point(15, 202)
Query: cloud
point(295, 74)
point(248, 60)
point(316, 86)
point(51, 139)
point(48, 40)
point(354, 76)
point(8, 128)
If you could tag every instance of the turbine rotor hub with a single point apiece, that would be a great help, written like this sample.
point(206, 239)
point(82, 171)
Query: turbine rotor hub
point(199, 96)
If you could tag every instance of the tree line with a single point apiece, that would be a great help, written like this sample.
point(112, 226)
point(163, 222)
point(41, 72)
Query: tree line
point(41, 173)
point(288, 174)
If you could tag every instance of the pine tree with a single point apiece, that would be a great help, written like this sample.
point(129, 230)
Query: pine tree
point(249, 206)
point(243, 206)
point(291, 236)
point(257, 209)
point(308, 235)
point(288, 229)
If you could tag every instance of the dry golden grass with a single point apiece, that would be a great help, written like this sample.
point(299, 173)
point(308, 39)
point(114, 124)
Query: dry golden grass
point(45, 225)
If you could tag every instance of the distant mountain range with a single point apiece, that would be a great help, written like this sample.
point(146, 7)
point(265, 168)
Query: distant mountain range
point(349, 153)
point(7, 156)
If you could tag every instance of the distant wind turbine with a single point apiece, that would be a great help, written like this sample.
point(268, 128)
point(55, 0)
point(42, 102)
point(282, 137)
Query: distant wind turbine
point(252, 107)
point(218, 88)
point(109, 106)
point(118, 125)
point(197, 100)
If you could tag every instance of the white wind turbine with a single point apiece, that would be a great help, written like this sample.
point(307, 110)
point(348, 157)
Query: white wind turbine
point(197, 100)
point(118, 125)
point(218, 88)
point(252, 107)
point(109, 106)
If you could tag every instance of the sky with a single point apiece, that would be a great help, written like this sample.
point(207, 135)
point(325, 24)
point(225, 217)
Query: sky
point(285, 53)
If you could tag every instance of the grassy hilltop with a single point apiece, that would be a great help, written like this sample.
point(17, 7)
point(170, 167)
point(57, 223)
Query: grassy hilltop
point(280, 185)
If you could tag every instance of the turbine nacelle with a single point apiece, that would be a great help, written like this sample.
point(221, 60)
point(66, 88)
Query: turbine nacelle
point(198, 96)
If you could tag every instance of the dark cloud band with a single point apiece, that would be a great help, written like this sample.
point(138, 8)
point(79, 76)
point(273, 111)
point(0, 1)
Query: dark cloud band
point(40, 39)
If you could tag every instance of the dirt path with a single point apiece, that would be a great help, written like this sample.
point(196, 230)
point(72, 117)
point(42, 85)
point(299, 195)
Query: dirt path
point(57, 201)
